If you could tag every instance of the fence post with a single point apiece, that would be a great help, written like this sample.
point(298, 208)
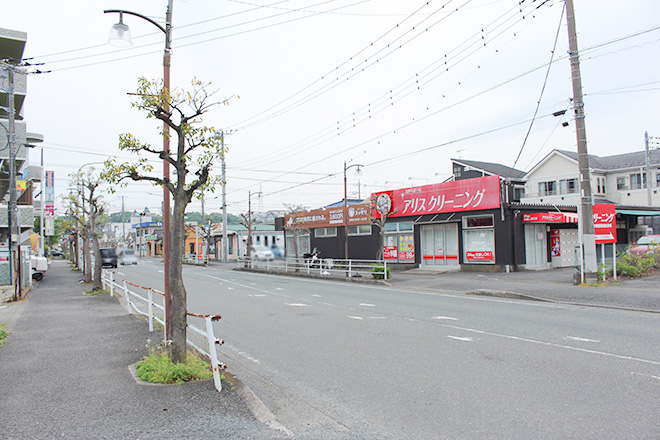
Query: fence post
point(214, 356)
point(112, 283)
point(385, 269)
point(103, 279)
point(350, 270)
point(127, 297)
point(150, 296)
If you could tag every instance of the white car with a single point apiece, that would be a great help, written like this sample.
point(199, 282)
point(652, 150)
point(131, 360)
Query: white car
point(128, 256)
point(261, 253)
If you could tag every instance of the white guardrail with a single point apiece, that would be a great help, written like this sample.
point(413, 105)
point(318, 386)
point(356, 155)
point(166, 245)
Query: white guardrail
point(327, 267)
point(135, 303)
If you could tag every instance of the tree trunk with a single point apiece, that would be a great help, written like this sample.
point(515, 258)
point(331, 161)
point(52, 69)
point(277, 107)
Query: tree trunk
point(87, 257)
point(179, 311)
point(98, 266)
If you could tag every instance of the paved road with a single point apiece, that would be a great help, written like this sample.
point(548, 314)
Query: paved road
point(341, 360)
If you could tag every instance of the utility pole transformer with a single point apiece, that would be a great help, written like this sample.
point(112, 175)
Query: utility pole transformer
point(588, 236)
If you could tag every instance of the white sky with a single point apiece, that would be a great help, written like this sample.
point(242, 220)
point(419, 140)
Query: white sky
point(321, 82)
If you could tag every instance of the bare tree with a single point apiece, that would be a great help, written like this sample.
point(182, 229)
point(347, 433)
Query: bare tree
point(384, 212)
point(196, 149)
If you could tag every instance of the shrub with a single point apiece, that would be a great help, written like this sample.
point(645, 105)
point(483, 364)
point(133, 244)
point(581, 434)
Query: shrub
point(637, 265)
point(3, 334)
point(378, 271)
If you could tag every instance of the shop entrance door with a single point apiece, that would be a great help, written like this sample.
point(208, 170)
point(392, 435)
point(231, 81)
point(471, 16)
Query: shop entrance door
point(440, 245)
point(536, 246)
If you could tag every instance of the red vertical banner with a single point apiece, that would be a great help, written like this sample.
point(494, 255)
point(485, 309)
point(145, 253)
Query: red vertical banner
point(555, 243)
point(605, 223)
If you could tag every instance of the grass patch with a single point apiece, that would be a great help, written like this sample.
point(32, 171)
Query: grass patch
point(158, 368)
point(97, 292)
point(3, 334)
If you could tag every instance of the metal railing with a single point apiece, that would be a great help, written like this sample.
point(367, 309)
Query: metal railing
point(131, 293)
point(325, 267)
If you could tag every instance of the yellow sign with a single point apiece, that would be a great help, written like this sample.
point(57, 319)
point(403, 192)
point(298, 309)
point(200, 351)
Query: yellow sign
point(21, 185)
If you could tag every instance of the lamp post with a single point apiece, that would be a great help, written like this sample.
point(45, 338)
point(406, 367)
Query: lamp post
point(346, 207)
point(120, 36)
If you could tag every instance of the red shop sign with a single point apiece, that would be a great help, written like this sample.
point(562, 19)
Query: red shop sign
point(479, 256)
point(456, 196)
point(605, 223)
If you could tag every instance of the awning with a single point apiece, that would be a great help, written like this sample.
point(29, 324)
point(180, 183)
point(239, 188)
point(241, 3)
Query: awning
point(636, 212)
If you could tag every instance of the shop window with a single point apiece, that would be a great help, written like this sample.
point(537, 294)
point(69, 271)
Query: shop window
point(479, 239)
point(399, 242)
point(568, 186)
point(621, 183)
point(325, 232)
point(547, 188)
point(482, 221)
point(359, 230)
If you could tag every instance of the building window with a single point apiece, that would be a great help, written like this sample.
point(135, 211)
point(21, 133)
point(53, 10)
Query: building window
point(359, 230)
point(482, 221)
point(399, 242)
point(636, 181)
point(657, 179)
point(600, 185)
point(325, 232)
point(479, 239)
point(568, 186)
point(547, 188)
point(621, 183)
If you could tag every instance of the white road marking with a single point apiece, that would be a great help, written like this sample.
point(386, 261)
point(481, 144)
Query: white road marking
point(458, 338)
point(449, 318)
point(278, 288)
point(317, 296)
point(257, 295)
point(296, 304)
point(367, 305)
point(377, 317)
point(230, 288)
point(355, 317)
point(575, 338)
point(242, 353)
point(645, 375)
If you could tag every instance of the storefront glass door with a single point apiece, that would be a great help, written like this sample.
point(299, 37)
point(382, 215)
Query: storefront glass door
point(440, 245)
point(536, 246)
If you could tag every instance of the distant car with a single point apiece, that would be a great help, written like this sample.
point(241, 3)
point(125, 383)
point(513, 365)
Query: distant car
point(645, 244)
point(277, 252)
point(56, 253)
point(127, 256)
point(109, 257)
point(261, 253)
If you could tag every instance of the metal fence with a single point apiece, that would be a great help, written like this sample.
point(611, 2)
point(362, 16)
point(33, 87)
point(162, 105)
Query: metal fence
point(325, 267)
point(138, 298)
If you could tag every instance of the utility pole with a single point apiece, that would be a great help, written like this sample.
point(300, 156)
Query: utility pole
point(648, 170)
point(588, 236)
point(224, 242)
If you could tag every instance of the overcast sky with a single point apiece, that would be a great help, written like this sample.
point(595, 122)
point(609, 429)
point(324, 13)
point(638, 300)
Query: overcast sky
point(400, 87)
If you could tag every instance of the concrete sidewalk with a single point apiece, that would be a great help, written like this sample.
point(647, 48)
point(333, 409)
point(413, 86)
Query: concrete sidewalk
point(64, 374)
point(554, 285)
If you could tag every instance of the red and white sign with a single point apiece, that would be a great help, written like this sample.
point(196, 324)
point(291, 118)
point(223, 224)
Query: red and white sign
point(479, 256)
point(390, 252)
point(456, 196)
point(550, 217)
point(605, 223)
point(323, 218)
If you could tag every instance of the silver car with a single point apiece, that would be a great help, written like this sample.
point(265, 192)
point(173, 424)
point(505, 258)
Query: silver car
point(127, 256)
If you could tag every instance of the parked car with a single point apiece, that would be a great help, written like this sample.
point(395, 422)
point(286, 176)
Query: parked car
point(645, 244)
point(109, 257)
point(127, 256)
point(261, 253)
point(56, 253)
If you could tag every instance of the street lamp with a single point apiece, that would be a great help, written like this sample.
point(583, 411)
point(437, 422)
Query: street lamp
point(346, 207)
point(120, 36)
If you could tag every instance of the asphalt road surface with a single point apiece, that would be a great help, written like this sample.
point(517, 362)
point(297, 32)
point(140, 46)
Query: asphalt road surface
point(344, 360)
